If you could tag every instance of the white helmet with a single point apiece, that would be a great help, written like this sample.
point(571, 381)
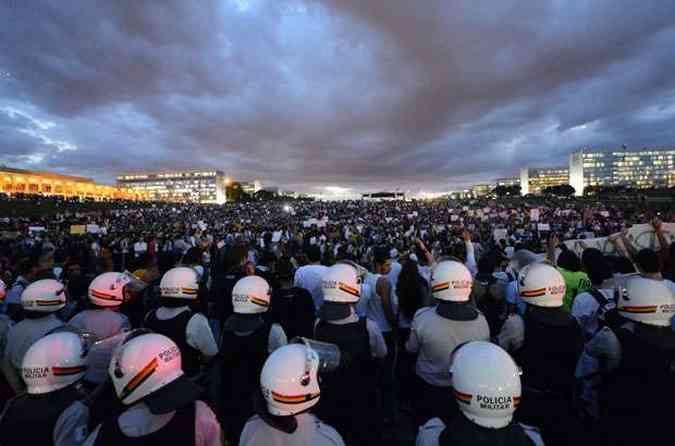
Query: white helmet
point(54, 362)
point(144, 364)
point(646, 300)
point(107, 289)
point(44, 296)
point(541, 285)
point(289, 380)
point(341, 284)
point(180, 283)
point(451, 281)
point(486, 383)
point(251, 295)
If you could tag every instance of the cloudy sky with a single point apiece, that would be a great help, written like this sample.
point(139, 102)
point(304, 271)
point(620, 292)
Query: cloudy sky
point(366, 94)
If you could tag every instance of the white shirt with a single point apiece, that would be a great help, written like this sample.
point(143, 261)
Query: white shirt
point(198, 331)
point(100, 322)
point(310, 432)
point(435, 337)
point(512, 336)
point(309, 277)
point(584, 309)
point(24, 334)
point(138, 421)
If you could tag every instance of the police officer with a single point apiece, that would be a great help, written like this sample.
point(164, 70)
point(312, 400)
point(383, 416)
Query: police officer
point(546, 341)
point(175, 319)
point(52, 370)
point(486, 387)
point(163, 404)
point(350, 397)
point(289, 385)
point(637, 353)
point(436, 331)
point(106, 293)
point(41, 300)
point(249, 336)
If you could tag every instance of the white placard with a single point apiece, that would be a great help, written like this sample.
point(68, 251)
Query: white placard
point(499, 234)
point(36, 229)
point(534, 214)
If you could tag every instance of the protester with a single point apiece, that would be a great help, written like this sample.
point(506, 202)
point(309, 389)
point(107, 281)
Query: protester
point(308, 261)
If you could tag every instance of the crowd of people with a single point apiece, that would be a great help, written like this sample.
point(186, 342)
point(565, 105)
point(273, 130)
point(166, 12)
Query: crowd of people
point(329, 323)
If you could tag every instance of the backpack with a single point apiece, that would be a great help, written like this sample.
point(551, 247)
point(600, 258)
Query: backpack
point(489, 297)
point(605, 308)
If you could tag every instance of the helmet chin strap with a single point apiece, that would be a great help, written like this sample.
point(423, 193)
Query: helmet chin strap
point(306, 377)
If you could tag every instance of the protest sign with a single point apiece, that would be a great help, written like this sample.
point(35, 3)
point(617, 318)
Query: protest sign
point(78, 229)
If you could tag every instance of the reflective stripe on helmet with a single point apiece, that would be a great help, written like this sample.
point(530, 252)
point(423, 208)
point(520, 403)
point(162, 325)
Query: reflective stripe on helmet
point(259, 301)
point(139, 379)
point(639, 309)
point(299, 399)
point(440, 287)
point(49, 303)
point(348, 289)
point(533, 293)
point(463, 397)
point(105, 296)
point(66, 371)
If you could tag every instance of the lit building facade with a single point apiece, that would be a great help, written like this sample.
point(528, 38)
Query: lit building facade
point(195, 186)
point(507, 182)
point(480, 190)
point(250, 187)
point(644, 168)
point(20, 181)
point(535, 180)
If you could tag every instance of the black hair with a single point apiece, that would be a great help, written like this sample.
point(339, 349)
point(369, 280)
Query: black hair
point(410, 289)
point(568, 260)
point(381, 254)
point(596, 266)
point(487, 263)
point(648, 261)
point(313, 253)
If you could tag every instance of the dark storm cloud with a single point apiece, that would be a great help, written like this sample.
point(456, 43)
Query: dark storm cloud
point(351, 92)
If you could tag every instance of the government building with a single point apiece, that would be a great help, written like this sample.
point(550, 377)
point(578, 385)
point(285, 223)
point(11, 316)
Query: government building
point(195, 186)
point(535, 180)
point(19, 181)
point(641, 169)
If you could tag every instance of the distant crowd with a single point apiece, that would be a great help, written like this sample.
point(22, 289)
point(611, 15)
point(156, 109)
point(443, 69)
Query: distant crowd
point(515, 321)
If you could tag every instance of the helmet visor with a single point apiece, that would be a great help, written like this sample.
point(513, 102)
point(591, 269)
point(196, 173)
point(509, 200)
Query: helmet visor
point(327, 354)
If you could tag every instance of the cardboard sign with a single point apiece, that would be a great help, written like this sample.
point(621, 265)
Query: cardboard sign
point(93, 229)
point(543, 227)
point(534, 214)
point(78, 229)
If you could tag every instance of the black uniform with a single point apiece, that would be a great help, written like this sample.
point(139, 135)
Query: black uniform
point(243, 358)
point(637, 400)
point(30, 419)
point(176, 330)
point(349, 400)
point(552, 346)
point(462, 432)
